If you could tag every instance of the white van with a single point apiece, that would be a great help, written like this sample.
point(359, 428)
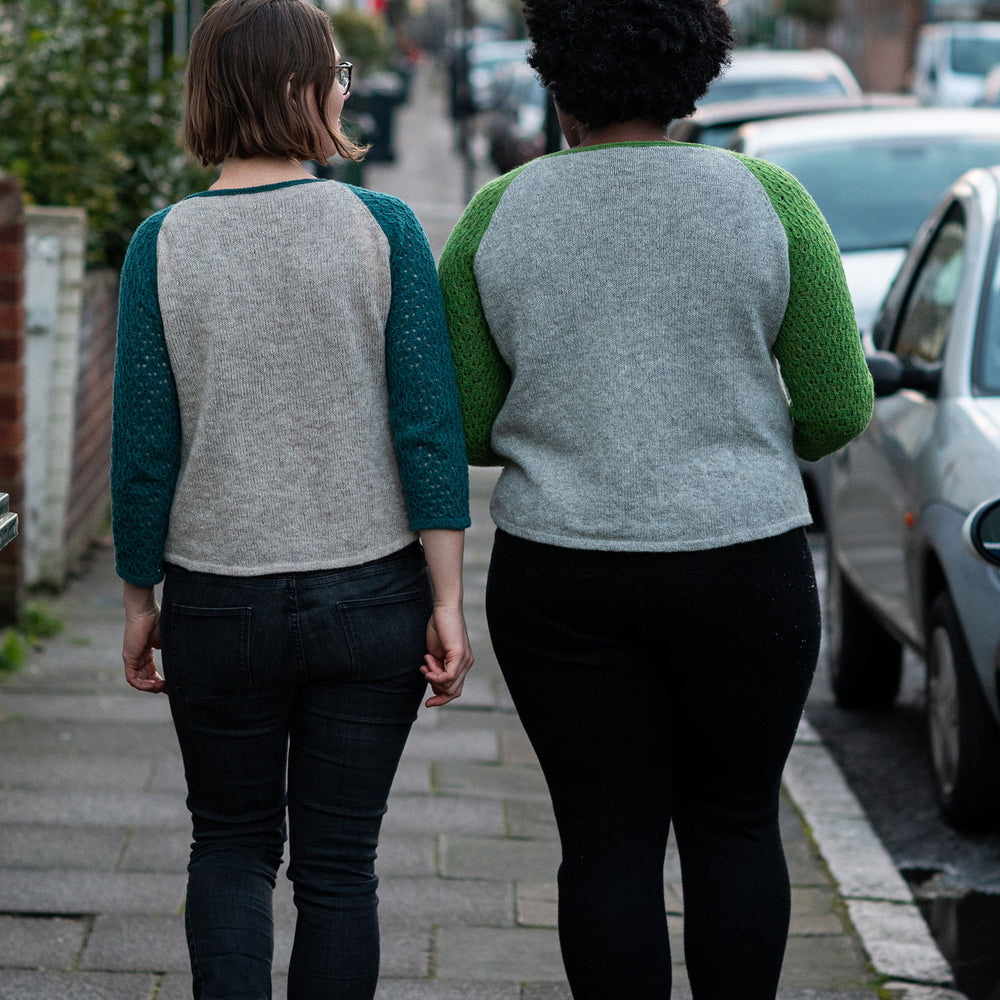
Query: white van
point(953, 59)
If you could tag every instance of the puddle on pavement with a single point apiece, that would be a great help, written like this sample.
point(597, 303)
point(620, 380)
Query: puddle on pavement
point(966, 927)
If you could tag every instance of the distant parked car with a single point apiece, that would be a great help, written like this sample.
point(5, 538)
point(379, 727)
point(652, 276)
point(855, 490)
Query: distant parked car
point(757, 73)
point(515, 127)
point(486, 59)
point(715, 124)
point(953, 59)
point(875, 175)
point(898, 571)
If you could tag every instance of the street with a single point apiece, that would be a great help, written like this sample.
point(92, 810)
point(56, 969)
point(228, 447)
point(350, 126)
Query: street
point(886, 759)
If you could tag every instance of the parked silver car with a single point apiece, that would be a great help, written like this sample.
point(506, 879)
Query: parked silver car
point(756, 73)
point(898, 571)
point(875, 175)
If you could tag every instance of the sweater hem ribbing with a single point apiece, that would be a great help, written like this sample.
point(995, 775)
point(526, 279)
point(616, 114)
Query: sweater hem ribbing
point(385, 548)
point(574, 541)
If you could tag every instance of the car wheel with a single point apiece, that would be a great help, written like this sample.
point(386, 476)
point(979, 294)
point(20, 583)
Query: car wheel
point(964, 737)
point(865, 661)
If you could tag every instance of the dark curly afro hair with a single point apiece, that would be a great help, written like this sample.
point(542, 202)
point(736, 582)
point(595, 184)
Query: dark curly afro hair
point(609, 61)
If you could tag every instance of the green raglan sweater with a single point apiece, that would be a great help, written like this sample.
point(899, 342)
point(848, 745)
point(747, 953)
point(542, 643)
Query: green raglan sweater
point(618, 315)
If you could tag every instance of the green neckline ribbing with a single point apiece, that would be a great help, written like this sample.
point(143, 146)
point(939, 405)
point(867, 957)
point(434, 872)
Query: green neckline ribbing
point(255, 190)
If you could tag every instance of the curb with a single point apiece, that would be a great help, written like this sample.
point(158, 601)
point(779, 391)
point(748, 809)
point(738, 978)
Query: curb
point(879, 902)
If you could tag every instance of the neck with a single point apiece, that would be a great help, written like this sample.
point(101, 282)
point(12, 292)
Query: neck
point(258, 171)
point(637, 130)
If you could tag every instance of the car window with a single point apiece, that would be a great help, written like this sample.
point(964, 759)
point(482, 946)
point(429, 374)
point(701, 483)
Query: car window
point(974, 55)
point(986, 359)
point(923, 331)
point(754, 88)
point(875, 193)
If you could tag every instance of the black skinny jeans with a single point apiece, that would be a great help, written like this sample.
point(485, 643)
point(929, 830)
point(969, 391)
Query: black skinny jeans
point(659, 688)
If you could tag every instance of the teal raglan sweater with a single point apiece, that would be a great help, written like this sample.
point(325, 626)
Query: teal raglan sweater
point(618, 317)
point(284, 395)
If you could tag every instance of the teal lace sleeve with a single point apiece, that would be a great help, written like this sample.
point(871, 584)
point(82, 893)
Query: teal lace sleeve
point(423, 396)
point(819, 347)
point(146, 424)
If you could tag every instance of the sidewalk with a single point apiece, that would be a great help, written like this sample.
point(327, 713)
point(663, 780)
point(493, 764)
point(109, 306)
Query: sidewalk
point(94, 833)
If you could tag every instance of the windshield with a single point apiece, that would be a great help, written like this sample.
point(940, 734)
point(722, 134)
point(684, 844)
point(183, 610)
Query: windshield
point(876, 194)
point(974, 55)
point(776, 86)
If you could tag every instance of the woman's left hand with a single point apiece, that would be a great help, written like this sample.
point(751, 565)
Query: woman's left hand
point(142, 636)
point(449, 655)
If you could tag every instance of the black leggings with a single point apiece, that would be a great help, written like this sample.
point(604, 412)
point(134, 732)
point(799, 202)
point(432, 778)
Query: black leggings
point(659, 687)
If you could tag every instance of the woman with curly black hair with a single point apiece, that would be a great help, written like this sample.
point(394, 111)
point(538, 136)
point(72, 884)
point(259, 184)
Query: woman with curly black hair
point(618, 315)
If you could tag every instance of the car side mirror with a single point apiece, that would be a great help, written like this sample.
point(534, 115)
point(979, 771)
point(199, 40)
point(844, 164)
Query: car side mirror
point(981, 531)
point(890, 374)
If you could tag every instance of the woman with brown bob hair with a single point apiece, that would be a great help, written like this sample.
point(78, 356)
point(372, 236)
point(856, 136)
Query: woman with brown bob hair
point(288, 458)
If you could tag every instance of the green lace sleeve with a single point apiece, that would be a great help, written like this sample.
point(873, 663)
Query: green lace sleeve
point(818, 347)
point(483, 376)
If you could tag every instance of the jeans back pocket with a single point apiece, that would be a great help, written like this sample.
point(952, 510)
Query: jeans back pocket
point(387, 635)
point(208, 658)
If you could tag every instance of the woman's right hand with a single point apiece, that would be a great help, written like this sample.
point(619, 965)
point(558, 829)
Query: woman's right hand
point(449, 655)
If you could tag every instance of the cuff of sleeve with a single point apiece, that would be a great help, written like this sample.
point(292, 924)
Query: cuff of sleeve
point(138, 579)
point(458, 522)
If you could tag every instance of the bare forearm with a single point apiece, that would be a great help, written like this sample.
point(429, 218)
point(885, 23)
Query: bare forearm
point(443, 550)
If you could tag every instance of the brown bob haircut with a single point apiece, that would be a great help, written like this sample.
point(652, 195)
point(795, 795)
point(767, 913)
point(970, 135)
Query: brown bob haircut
point(251, 69)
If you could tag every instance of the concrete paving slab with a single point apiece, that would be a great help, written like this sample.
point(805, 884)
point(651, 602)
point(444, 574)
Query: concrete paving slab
point(73, 892)
point(406, 855)
point(70, 770)
point(136, 943)
point(124, 708)
point(440, 814)
point(18, 985)
point(833, 962)
point(911, 991)
point(42, 735)
point(516, 749)
point(446, 901)
point(491, 858)
point(413, 777)
point(862, 867)
point(157, 851)
point(454, 777)
point(452, 743)
point(498, 721)
point(40, 942)
point(536, 904)
point(558, 991)
point(91, 808)
point(803, 865)
point(420, 989)
point(516, 954)
point(168, 773)
point(813, 912)
point(531, 819)
point(30, 846)
point(898, 941)
point(814, 782)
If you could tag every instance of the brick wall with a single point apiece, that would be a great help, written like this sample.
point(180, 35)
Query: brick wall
point(90, 496)
point(11, 385)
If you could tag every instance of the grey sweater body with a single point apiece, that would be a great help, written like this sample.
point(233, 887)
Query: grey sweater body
point(279, 362)
point(641, 286)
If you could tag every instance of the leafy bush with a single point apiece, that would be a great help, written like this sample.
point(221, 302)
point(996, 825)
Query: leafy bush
point(37, 622)
point(361, 39)
point(88, 120)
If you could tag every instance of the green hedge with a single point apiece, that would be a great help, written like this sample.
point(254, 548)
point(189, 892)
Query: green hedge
point(88, 118)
